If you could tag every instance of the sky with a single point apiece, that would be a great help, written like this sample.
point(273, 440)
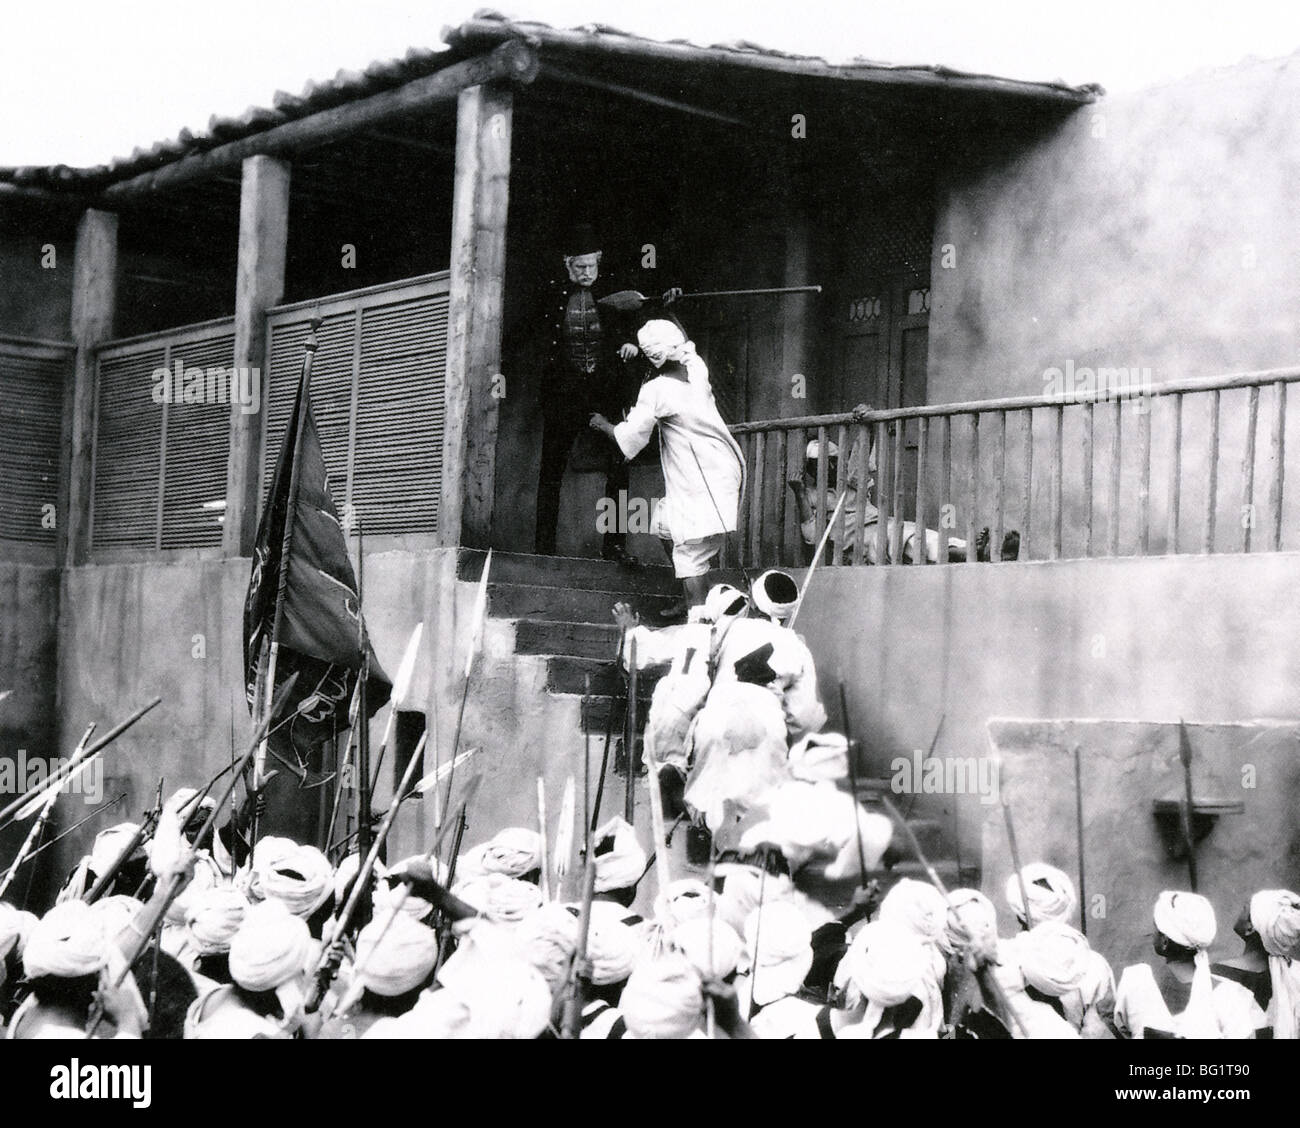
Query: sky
point(82, 81)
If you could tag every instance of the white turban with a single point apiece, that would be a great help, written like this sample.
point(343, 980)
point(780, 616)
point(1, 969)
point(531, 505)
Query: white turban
point(661, 334)
point(505, 900)
point(301, 878)
point(972, 922)
point(388, 891)
point(213, 918)
point(514, 852)
point(743, 887)
point(117, 912)
point(267, 853)
point(1054, 958)
point(622, 865)
point(919, 908)
point(548, 939)
point(68, 942)
point(888, 965)
point(775, 593)
point(778, 942)
point(108, 846)
point(612, 946)
point(724, 602)
point(1050, 892)
point(207, 875)
point(1188, 920)
point(1275, 915)
point(820, 756)
point(437, 1015)
point(507, 999)
point(395, 954)
point(717, 955)
point(270, 949)
point(663, 998)
point(683, 900)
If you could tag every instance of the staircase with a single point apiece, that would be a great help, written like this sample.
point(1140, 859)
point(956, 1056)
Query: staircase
point(561, 608)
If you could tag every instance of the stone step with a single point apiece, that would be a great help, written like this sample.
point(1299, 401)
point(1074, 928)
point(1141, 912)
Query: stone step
point(567, 572)
point(568, 604)
point(575, 640)
point(568, 675)
point(596, 708)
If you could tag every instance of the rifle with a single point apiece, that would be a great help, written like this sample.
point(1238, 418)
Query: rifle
point(106, 879)
point(580, 972)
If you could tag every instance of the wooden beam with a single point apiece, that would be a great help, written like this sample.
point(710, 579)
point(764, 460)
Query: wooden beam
point(259, 285)
point(515, 61)
point(94, 304)
point(478, 256)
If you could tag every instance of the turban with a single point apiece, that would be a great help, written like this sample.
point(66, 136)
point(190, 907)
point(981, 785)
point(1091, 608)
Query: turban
point(723, 602)
point(388, 889)
point(743, 887)
point(108, 846)
point(620, 864)
point(11, 929)
point(506, 900)
point(514, 852)
point(681, 901)
point(207, 875)
point(301, 878)
point(116, 913)
point(1275, 915)
point(663, 998)
point(507, 999)
point(612, 946)
point(820, 756)
point(1188, 920)
point(660, 334)
point(775, 593)
point(778, 940)
point(395, 954)
point(68, 942)
point(717, 955)
point(1054, 958)
point(972, 922)
point(1050, 892)
point(919, 908)
point(436, 1015)
point(814, 448)
point(548, 940)
point(270, 949)
point(213, 917)
point(269, 851)
point(888, 965)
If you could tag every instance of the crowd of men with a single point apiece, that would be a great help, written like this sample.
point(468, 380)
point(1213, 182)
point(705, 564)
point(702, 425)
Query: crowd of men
point(491, 944)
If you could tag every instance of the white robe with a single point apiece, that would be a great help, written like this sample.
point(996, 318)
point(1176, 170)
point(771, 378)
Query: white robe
point(701, 499)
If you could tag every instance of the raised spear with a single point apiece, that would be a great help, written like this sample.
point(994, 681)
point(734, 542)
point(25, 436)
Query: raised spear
point(475, 643)
point(1185, 755)
point(1009, 822)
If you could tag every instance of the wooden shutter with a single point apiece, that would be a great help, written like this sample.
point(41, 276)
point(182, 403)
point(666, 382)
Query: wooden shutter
point(31, 411)
point(128, 451)
point(377, 395)
point(196, 446)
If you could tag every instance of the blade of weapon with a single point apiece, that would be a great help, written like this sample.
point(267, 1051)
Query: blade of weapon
point(1189, 805)
point(564, 835)
point(75, 826)
point(56, 779)
point(401, 689)
point(1078, 834)
point(821, 548)
point(475, 643)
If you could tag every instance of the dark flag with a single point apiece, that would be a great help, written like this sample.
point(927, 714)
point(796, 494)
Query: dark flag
point(321, 633)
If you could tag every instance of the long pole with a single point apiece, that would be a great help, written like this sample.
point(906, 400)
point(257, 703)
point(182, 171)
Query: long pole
point(594, 817)
point(1009, 823)
point(1185, 755)
point(853, 783)
point(1078, 823)
point(629, 735)
point(748, 293)
point(821, 547)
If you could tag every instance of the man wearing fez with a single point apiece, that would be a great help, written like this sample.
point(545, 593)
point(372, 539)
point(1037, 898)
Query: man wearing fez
point(586, 372)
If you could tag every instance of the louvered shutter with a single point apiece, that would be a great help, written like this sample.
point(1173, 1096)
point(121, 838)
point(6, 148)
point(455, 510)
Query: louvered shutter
point(31, 410)
point(128, 451)
point(197, 443)
point(398, 463)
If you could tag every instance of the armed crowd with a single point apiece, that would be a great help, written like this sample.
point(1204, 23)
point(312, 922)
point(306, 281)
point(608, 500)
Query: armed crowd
point(792, 927)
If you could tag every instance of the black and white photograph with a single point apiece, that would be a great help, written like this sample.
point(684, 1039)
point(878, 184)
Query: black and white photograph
point(650, 520)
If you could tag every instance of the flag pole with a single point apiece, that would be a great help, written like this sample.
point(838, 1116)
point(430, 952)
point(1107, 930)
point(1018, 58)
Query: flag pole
point(286, 547)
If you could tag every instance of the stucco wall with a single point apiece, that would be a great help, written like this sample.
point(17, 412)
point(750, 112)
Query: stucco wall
point(1213, 639)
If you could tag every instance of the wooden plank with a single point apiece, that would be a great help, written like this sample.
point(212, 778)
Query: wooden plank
point(1058, 459)
point(756, 502)
point(1248, 470)
point(841, 484)
point(782, 490)
point(94, 304)
point(1277, 453)
point(480, 202)
point(864, 493)
point(999, 487)
point(1116, 457)
point(1089, 426)
point(972, 490)
point(1027, 486)
point(1175, 477)
point(882, 504)
point(1143, 408)
point(900, 449)
point(922, 460)
point(259, 285)
point(945, 488)
point(511, 61)
point(823, 470)
point(1212, 476)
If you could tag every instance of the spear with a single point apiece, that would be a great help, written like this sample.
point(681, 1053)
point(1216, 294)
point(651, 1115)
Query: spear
point(1011, 846)
point(58, 778)
point(38, 828)
point(629, 738)
point(821, 548)
point(105, 880)
point(564, 836)
point(401, 687)
point(74, 827)
point(541, 829)
point(580, 972)
point(1078, 829)
point(593, 816)
point(1185, 755)
point(475, 643)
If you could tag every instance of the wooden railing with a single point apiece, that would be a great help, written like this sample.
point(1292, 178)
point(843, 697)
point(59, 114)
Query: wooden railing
point(1072, 476)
